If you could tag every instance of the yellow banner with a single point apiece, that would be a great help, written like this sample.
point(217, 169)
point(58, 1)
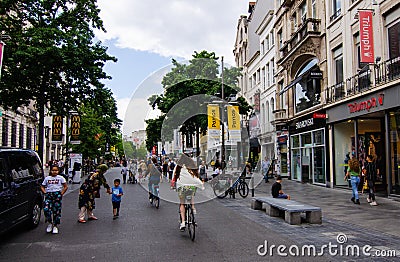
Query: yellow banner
point(213, 117)
point(233, 118)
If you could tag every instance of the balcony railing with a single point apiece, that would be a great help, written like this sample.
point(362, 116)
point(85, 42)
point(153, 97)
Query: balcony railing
point(382, 73)
point(311, 26)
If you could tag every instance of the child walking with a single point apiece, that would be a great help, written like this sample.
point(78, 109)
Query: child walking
point(117, 194)
point(54, 187)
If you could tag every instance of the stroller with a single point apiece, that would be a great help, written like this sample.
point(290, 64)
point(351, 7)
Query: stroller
point(132, 177)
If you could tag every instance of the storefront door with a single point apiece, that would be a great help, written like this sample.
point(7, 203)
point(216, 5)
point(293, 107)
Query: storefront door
point(306, 167)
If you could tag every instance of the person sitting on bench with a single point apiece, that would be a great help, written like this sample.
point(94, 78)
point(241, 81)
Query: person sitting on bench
point(277, 191)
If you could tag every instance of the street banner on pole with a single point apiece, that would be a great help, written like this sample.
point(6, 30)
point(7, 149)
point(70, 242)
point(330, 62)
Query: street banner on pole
point(57, 130)
point(366, 36)
point(234, 123)
point(1, 55)
point(213, 121)
point(75, 129)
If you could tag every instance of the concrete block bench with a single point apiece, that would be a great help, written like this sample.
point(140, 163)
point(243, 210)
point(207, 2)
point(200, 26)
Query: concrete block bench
point(292, 209)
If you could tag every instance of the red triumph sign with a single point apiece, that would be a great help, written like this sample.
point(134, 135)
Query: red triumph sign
point(366, 36)
point(366, 104)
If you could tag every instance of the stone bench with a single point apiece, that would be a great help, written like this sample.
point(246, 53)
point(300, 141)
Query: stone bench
point(292, 209)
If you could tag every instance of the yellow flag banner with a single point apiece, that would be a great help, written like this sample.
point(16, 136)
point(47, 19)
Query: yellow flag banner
point(213, 121)
point(234, 123)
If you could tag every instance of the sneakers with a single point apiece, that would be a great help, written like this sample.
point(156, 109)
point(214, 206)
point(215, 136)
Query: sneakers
point(115, 217)
point(49, 228)
point(55, 230)
point(373, 203)
point(93, 218)
point(194, 211)
point(352, 200)
point(357, 202)
point(369, 200)
point(81, 220)
point(182, 226)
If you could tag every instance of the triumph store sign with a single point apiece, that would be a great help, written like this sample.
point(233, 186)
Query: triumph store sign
point(366, 105)
point(366, 36)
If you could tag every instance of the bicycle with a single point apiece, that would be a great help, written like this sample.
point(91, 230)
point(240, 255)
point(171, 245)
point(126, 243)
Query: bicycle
point(190, 220)
point(221, 188)
point(155, 196)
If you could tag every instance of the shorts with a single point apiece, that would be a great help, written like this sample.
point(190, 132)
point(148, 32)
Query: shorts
point(186, 191)
point(116, 204)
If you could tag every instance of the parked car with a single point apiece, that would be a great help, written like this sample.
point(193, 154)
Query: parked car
point(21, 201)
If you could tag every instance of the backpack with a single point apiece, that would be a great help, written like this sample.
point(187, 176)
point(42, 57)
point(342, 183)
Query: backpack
point(172, 166)
point(158, 168)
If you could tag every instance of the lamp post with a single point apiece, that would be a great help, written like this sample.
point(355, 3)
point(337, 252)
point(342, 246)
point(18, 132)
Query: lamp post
point(222, 119)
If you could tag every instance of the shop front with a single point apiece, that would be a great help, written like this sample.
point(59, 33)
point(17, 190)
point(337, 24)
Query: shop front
point(308, 149)
point(368, 125)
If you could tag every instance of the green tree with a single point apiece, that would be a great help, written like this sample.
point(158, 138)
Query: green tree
point(199, 76)
point(99, 124)
point(51, 57)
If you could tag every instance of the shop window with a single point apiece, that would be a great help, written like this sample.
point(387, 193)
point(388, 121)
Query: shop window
point(295, 141)
point(318, 137)
point(308, 93)
point(394, 145)
point(306, 139)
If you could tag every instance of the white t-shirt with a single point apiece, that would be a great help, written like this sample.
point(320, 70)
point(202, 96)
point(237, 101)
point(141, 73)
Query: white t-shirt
point(186, 179)
point(54, 183)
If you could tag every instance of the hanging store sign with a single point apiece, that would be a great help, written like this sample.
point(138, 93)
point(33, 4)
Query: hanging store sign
point(75, 129)
point(213, 121)
point(234, 123)
point(366, 36)
point(57, 129)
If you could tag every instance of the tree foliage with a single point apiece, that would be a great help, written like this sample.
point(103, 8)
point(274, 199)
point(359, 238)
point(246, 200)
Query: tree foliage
point(51, 58)
point(199, 76)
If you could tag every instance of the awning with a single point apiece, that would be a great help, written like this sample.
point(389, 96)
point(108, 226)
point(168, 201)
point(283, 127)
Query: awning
point(294, 82)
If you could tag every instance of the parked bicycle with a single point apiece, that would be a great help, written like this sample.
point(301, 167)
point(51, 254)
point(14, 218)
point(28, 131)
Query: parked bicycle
point(223, 187)
point(155, 196)
point(190, 220)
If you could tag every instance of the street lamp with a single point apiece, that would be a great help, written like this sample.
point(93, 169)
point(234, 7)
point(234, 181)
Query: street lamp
point(223, 119)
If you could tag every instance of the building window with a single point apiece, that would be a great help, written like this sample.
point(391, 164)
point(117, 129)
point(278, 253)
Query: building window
point(303, 11)
point(263, 77)
point(282, 103)
point(267, 43)
point(314, 9)
point(4, 134)
point(29, 138)
point(13, 134)
point(280, 39)
point(394, 40)
point(262, 48)
point(268, 75)
point(294, 21)
point(271, 36)
point(338, 64)
point(21, 136)
point(273, 71)
point(267, 117)
point(336, 9)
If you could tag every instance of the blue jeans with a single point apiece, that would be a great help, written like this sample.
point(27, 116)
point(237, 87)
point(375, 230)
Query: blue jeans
point(355, 180)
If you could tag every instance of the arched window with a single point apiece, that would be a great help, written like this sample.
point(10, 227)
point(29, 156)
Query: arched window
point(267, 120)
point(272, 111)
point(263, 116)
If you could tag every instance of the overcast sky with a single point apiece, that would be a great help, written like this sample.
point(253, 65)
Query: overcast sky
point(145, 35)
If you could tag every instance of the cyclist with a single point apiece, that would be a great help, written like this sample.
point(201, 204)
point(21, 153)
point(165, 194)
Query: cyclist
point(186, 175)
point(154, 169)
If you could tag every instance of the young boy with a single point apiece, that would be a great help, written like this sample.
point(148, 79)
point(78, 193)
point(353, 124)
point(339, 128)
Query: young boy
point(116, 197)
point(276, 189)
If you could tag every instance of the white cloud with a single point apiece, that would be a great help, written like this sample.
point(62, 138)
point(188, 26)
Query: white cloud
point(173, 28)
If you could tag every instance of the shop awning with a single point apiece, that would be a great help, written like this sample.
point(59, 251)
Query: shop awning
point(293, 83)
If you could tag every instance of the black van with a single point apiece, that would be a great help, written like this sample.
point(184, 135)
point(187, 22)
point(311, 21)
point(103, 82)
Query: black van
point(21, 174)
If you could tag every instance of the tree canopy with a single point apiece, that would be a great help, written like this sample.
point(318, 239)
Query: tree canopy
point(199, 76)
point(51, 58)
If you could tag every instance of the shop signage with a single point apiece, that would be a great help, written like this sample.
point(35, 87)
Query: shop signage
point(57, 129)
point(282, 140)
point(366, 105)
point(319, 115)
point(366, 36)
point(305, 123)
point(316, 74)
point(309, 122)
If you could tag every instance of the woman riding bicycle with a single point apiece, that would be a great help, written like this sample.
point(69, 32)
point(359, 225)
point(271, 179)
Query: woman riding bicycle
point(186, 175)
point(154, 170)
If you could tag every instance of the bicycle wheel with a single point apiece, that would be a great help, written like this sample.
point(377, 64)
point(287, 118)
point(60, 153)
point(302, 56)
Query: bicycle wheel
point(191, 225)
point(157, 202)
point(220, 190)
point(243, 189)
